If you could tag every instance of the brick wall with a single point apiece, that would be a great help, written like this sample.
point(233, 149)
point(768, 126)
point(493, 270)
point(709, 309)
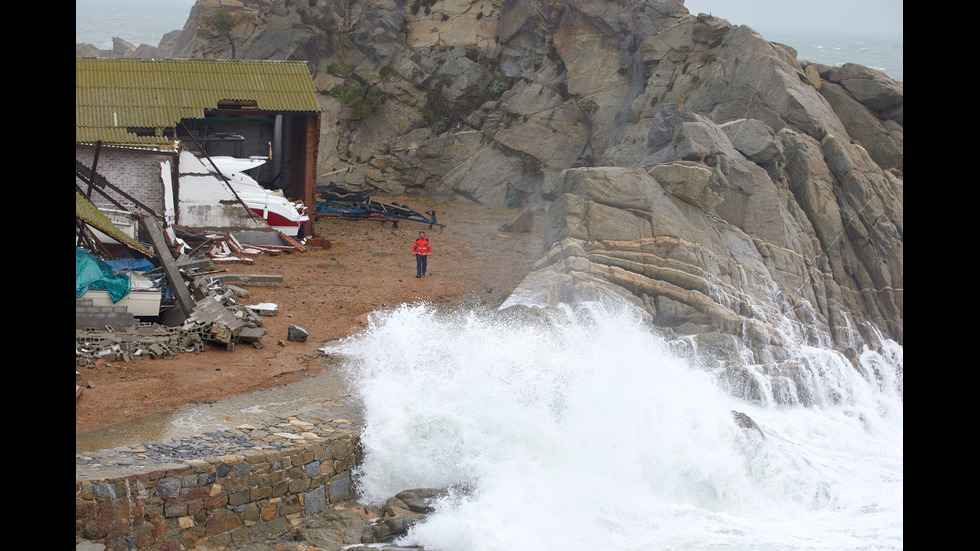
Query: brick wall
point(135, 172)
point(227, 501)
point(304, 137)
point(309, 171)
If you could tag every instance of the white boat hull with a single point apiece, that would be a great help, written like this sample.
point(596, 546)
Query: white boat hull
point(278, 211)
point(229, 165)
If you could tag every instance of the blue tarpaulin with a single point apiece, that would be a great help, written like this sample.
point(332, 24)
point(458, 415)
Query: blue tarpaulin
point(141, 265)
point(93, 273)
point(134, 264)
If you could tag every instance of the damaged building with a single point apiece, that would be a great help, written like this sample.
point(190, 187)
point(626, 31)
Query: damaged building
point(175, 136)
point(175, 158)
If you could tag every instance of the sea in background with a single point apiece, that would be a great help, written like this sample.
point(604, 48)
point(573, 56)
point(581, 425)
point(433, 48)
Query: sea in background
point(135, 21)
point(146, 21)
point(876, 51)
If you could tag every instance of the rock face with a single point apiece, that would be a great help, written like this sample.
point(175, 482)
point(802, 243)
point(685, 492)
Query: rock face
point(688, 165)
point(122, 48)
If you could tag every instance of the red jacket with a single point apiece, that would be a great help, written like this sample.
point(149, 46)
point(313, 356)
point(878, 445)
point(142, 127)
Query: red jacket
point(422, 247)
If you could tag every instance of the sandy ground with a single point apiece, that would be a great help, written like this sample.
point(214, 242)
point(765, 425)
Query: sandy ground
point(327, 292)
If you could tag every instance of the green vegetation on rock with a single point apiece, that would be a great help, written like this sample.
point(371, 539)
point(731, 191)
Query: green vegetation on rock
point(363, 97)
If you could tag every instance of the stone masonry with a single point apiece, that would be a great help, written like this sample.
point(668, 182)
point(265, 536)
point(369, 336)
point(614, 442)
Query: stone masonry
point(227, 488)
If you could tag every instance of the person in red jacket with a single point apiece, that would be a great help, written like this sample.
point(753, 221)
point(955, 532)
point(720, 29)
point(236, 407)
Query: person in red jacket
point(422, 250)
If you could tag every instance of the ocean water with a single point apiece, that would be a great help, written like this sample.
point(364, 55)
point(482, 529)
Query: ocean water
point(584, 432)
point(876, 51)
point(146, 21)
point(135, 21)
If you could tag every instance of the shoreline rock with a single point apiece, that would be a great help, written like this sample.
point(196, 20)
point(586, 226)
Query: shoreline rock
point(123, 48)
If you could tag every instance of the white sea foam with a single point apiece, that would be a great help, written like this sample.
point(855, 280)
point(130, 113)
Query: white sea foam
point(583, 432)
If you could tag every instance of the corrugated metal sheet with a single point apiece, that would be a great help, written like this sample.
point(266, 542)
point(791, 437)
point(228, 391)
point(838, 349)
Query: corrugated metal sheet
point(85, 210)
point(113, 94)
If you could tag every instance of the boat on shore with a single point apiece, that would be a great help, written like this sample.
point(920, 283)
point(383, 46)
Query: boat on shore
point(272, 205)
point(227, 164)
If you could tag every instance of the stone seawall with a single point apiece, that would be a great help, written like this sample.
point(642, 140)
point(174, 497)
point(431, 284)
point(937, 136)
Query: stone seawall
point(228, 488)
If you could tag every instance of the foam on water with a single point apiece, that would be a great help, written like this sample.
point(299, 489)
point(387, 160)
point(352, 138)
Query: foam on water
point(581, 431)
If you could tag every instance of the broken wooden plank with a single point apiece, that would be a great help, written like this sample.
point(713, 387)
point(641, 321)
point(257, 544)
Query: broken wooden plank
point(292, 242)
point(249, 278)
point(170, 268)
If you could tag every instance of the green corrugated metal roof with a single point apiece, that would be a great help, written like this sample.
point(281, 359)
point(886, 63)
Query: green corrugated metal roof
point(85, 210)
point(116, 93)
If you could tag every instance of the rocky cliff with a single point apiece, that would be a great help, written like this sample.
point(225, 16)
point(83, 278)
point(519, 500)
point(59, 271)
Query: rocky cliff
point(735, 193)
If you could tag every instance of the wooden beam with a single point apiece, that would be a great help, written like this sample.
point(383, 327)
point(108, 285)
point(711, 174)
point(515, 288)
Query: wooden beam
point(101, 181)
point(95, 163)
point(170, 269)
point(105, 195)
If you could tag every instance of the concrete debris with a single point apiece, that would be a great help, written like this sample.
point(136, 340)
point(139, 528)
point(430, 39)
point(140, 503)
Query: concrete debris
point(239, 291)
point(246, 278)
point(265, 309)
point(217, 317)
point(206, 308)
point(151, 340)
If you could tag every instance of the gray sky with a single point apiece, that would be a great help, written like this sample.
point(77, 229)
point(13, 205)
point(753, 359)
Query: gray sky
point(866, 16)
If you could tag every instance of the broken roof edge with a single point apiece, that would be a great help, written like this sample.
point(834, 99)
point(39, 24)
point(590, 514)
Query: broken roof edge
point(278, 85)
point(89, 213)
point(128, 100)
point(170, 147)
point(201, 60)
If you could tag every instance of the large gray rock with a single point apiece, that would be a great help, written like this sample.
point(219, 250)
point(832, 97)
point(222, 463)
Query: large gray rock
point(882, 140)
point(754, 139)
point(819, 249)
point(123, 48)
point(689, 166)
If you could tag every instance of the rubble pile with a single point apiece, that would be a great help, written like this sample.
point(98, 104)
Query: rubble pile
point(227, 248)
point(221, 316)
point(218, 317)
point(196, 304)
point(151, 340)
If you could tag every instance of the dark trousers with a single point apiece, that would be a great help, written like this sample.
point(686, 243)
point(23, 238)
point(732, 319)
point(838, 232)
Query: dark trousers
point(420, 261)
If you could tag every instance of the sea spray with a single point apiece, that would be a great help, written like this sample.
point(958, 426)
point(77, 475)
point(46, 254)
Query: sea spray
point(577, 429)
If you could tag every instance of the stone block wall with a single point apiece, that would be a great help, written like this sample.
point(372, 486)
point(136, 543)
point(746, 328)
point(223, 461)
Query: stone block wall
point(90, 316)
point(227, 500)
